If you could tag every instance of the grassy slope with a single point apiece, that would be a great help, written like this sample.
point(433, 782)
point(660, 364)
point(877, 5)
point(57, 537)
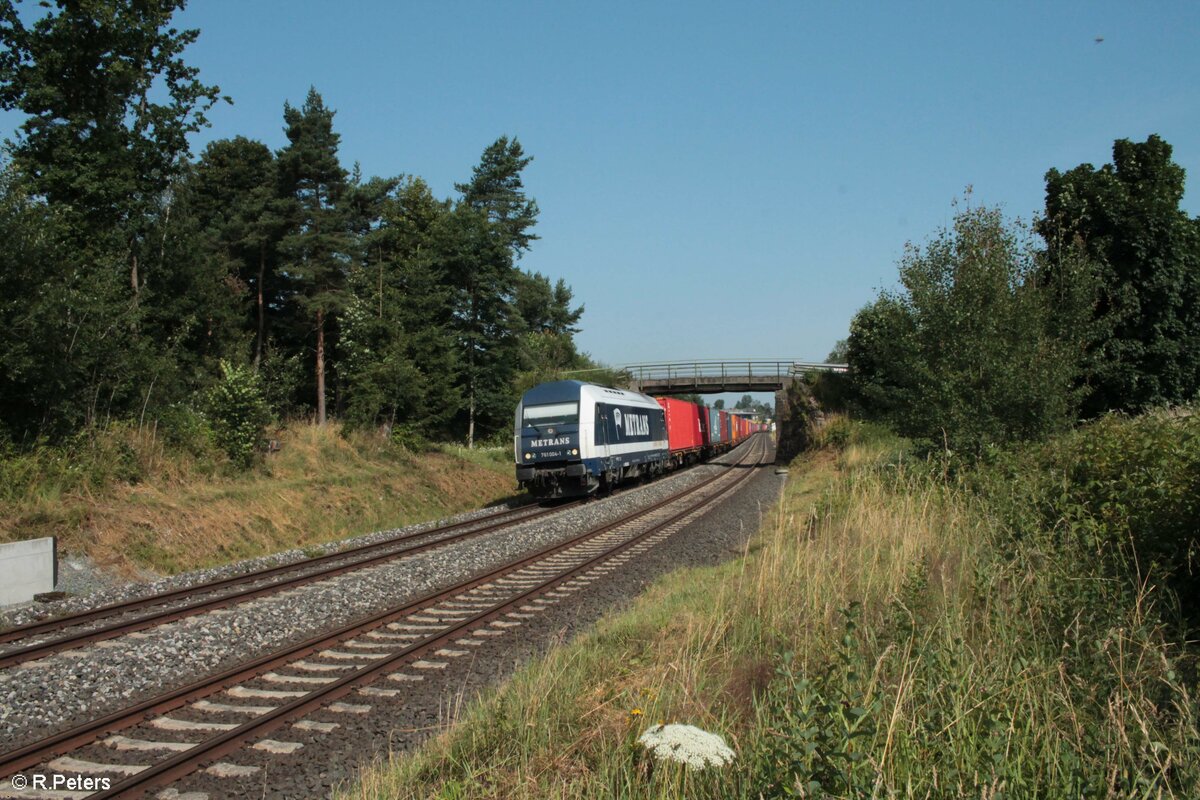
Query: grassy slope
point(877, 640)
point(182, 513)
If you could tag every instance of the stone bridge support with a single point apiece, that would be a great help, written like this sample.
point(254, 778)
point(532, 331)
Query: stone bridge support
point(796, 413)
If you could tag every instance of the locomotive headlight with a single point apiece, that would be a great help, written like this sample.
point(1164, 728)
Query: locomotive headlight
point(574, 452)
point(528, 456)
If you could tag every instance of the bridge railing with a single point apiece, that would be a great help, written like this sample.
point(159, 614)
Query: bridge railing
point(718, 369)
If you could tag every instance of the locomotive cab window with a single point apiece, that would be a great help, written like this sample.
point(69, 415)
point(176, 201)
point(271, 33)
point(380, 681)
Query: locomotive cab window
point(552, 414)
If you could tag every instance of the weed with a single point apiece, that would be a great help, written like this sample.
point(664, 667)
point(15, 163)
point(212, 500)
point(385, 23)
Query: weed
point(817, 727)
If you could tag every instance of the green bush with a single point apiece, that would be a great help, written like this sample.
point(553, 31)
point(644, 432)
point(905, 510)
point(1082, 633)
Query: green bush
point(1027, 654)
point(238, 410)
point(90, 459)
point(836, 433)
point(184, 428)
point(409, 436)
point(1126, 491)
point(499, 440)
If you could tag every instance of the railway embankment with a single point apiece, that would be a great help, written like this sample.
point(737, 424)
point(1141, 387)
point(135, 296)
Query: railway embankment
point(127, 505)
point(901, 626)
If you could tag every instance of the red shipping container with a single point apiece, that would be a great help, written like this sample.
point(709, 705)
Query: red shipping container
point(705, 424)
point(683, 424)
point(726, 427)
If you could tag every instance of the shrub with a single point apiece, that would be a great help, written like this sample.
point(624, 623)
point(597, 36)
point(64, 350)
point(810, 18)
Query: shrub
point(185, 428)
point(238, 410)
point(977, 662)
point(837, 432)
point(1127, 491)
point(824, 722)
point(409, 436)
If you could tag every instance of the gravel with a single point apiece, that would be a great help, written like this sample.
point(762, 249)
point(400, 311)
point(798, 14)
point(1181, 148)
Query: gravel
point(41, 697)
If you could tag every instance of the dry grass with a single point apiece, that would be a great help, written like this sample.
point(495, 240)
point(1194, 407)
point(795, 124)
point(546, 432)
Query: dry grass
point(319, 487)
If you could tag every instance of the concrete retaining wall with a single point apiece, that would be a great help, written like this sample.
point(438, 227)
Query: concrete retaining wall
point(27, 568)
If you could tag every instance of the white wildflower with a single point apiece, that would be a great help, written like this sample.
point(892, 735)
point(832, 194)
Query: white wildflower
point(686, 744)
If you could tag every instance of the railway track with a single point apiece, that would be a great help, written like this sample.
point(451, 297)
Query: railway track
point(201, 598)
point(395, 647)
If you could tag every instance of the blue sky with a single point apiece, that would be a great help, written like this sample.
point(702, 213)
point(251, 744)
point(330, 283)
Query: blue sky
point(720, 179)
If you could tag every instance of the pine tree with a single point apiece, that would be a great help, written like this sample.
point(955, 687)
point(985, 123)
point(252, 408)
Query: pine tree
point(497, 190)
point(548, 326)
point(491, 228)
point(315, 248)
point(232, 193)
point(396, 340)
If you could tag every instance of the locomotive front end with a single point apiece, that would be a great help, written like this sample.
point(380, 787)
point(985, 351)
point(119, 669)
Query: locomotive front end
point(547, 442)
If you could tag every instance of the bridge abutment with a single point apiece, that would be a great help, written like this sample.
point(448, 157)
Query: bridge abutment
point(796, 414)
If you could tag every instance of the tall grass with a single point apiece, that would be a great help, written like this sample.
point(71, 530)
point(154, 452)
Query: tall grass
point(884, 636)
point(95, 459)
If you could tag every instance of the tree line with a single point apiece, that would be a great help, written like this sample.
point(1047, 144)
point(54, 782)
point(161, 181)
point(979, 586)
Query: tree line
point(1001, 332)
point(135, 278)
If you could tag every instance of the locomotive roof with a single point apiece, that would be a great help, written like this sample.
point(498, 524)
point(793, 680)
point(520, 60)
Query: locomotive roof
point(566, 391)
point(553, 392)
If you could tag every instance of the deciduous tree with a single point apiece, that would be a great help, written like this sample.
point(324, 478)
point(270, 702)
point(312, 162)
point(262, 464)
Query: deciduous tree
point(108, 104)
point(1125, 216)
point(974, 349)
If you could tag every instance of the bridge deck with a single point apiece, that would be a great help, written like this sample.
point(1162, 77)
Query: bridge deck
point(721, 375)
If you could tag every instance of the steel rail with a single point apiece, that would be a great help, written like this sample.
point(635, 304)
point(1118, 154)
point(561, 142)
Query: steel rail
point(184, 763)
point(72, 738)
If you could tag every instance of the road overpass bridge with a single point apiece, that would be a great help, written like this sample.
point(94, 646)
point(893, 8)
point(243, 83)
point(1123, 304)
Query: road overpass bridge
point(737, 375)
point(710, 376)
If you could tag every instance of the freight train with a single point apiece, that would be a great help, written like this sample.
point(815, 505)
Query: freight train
point(573, 438)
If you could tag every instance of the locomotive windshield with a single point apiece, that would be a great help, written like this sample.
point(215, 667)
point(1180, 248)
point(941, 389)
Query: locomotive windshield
point(552, 414)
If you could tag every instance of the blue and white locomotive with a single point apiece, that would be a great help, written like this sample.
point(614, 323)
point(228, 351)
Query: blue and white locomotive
point(572, 438)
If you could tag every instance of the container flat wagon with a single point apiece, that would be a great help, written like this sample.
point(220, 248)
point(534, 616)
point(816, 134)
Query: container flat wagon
point(685, 434)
